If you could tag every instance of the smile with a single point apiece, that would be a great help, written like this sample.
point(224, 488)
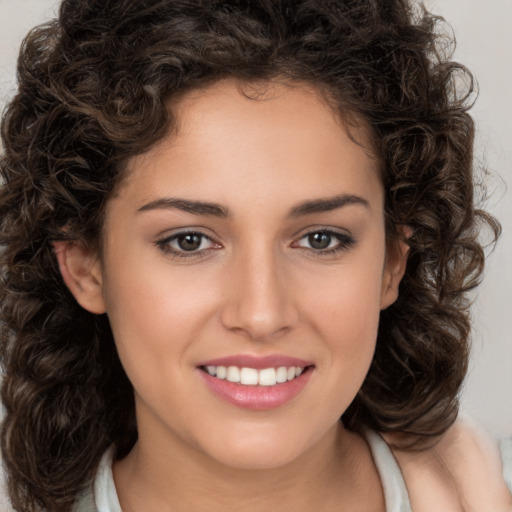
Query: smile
point(263, 388)
point(255, 377)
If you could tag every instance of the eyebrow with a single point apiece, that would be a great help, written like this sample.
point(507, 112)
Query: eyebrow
point(195, 207)
point(217, 210)
point(328, 204)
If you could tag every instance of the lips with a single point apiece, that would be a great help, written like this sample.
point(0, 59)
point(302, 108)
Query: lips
point(257, 362)
point(256, 382)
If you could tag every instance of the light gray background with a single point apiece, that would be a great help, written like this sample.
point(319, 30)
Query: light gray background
point(484, 38)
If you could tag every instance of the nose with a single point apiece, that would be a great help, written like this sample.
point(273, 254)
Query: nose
point(260, 299)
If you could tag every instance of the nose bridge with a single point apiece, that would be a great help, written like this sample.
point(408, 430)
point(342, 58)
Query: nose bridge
point(259, 301)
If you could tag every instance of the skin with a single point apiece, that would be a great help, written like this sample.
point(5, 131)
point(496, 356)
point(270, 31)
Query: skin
point(462, 472)
point(255, 286)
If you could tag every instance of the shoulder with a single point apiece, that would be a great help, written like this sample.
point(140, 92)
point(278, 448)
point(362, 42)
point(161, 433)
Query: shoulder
point(85, 502)
point(100, 494)
point(506, 457)
point(463, 471)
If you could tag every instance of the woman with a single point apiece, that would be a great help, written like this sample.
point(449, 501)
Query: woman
point(225, 226)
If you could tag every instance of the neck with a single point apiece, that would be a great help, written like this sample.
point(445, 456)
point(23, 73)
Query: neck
point(332, 474)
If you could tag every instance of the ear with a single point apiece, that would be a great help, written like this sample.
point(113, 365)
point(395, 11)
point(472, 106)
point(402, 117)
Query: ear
point(81, 271)
point(395, 265)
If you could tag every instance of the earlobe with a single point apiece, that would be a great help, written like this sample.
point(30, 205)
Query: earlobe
point(81, 272)
point(394, 268)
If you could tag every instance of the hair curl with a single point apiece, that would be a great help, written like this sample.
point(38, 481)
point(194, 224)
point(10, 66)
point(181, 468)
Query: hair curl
point(94, 86)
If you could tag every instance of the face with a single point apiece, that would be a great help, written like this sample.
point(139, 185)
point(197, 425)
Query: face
point(248, 246)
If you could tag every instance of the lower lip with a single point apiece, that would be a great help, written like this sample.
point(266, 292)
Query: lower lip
point(257, 397)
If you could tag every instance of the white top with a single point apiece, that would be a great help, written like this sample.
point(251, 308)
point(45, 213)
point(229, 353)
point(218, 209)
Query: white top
point(102, 495)
point(506, 458)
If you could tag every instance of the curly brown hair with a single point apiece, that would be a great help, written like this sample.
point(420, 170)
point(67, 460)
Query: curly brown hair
point(94, 87)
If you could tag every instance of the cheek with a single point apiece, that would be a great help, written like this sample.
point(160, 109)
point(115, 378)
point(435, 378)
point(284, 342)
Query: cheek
point(344, 309)
point(348, 297)
point(155, 315)
point(345, 323)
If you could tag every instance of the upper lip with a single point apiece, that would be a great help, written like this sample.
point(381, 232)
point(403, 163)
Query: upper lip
point(257, 362)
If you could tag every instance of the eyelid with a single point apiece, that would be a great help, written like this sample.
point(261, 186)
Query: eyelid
point(164, 243)
point(345, 240)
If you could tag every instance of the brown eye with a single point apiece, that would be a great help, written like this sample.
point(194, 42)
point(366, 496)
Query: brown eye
point(319, 240)
point(189, 241)
point(325, 242)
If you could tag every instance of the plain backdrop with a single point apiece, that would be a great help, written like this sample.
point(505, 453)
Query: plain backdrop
point(484, 40)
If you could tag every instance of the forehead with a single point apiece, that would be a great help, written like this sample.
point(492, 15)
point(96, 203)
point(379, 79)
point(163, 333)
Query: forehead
point(311, 110)
point(271, 137)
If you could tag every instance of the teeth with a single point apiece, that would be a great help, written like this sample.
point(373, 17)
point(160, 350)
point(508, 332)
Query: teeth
point(267, 377)
point(282, 374)
point(249, 376)
point(233, 374)
point(253, 377)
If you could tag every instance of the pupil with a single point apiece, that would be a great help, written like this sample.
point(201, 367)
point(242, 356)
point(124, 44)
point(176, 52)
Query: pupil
point(319, 240)
point(190, 242)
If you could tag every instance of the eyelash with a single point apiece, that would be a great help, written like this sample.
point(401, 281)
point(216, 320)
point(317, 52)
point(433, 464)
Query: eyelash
point(344, 243)
point(344, 240)
point(165, 245)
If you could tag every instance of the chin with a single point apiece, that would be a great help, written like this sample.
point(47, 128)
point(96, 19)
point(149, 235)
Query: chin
point(263, 450)
point(256, 458)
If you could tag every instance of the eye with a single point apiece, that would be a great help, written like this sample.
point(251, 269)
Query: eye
point(188, 243)
point(325, 241)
